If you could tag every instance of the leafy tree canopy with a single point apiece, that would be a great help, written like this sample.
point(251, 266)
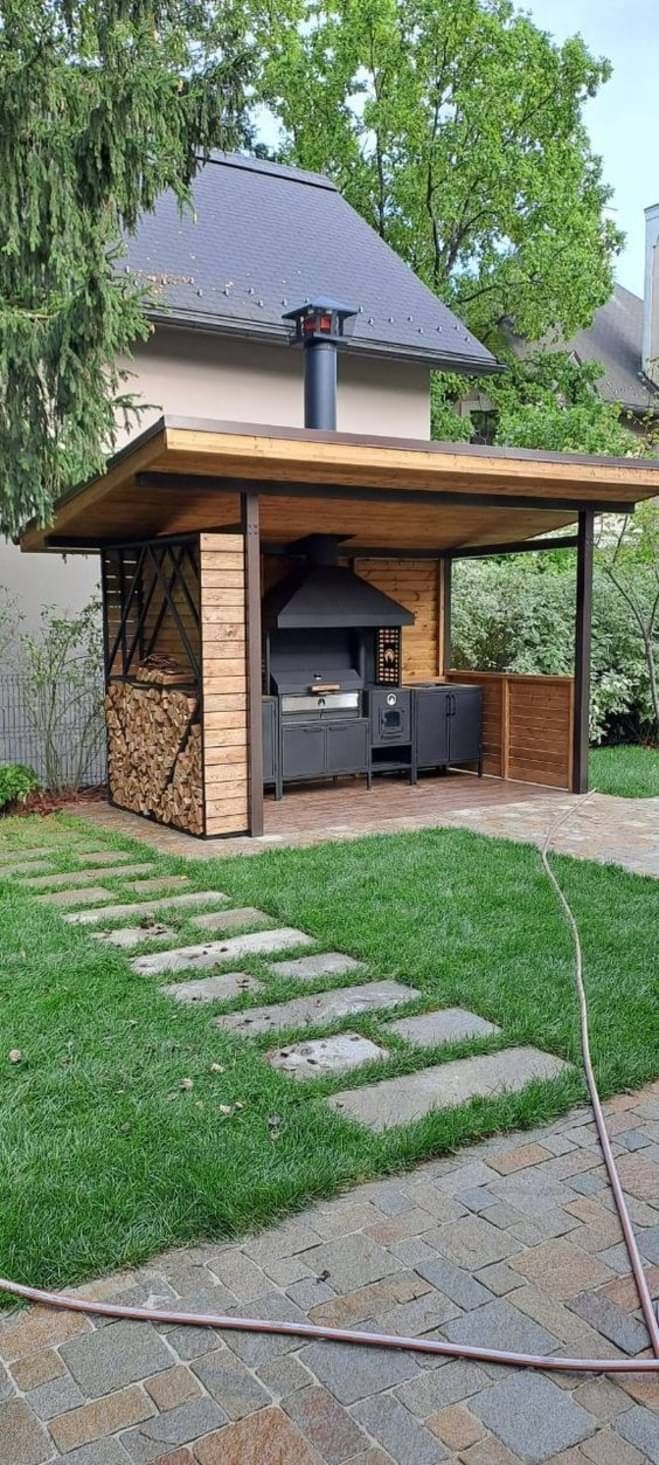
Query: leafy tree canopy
point(455, 127)
point(104, 104)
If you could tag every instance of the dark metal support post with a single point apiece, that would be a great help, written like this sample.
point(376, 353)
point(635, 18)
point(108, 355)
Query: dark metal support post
point(580, 734)
point(320, 385)
point(250, 516)
point(447, 567)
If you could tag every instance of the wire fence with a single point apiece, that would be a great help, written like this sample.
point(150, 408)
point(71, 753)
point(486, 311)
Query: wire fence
point(57, 730)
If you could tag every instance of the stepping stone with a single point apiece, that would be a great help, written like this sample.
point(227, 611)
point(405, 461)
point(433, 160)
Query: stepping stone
point(213, 989)
point(159, 885)
point(44, 852)
point(449, 1025)
point(81, 877)
point(99, 856)
point(215, 953)
point(308, 968)
point(134, 935)
point(91, 896)
point(323, 1007)
point(10, 870)
point(245, 915)
point(149, 907)
point(325, 1055)
point(402, 1100)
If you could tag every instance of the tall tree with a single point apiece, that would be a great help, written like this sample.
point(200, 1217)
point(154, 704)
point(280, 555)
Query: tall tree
point(455, 127)
point(103, 105)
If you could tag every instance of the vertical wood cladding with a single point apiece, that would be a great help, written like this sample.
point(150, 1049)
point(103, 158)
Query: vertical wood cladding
point(415, 585)
point(224, 675)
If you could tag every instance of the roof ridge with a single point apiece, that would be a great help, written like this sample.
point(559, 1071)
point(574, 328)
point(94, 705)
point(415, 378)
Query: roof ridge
point(285, 171)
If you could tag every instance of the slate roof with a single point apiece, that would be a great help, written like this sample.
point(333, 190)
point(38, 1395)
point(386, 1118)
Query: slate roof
point(615, 340)
point(263, 239)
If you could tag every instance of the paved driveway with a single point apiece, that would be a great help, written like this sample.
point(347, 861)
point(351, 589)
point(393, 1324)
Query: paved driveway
point(511, 1243)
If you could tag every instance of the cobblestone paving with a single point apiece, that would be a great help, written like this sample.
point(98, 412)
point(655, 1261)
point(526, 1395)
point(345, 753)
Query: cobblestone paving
point(513, 1242)
point(606, 829)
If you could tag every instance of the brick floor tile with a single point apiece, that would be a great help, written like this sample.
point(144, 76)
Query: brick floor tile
point(287, 1270)
point(499, 1278)
point(23, 1440)
point(451, 1383)
point(640, 1177)
point(607, 1448)
point(284, 1375)
point(354, 1373)
point(531, 1416)
point(458, 1284)
point(519, 1158)
point(623, 1290)
point(549, 1313)
point(285, 1240)
point(601, 1397)
point(101, 1452)
point(174, 1386)
point(39, 1328)
point(176, 1427)
point(473, 1242)
point(561, 1268)
point(642, 1389)
point(54, 1397)
point(231, 1384)
point(37, 1368)
point(353, 1261)
point(500, 1325)
point(369, 1301)
point(241, 1275)
point(338, 1220)
point(104, 1361)
point(325, 1424)
point(456, 1427)
point(619, 1326)
point(397, 1431)
point(257, 1348)
point(191, 1343)
point(489, 1451)
point(412, 1222)
point(639, 1427)
point(269, 1438)
point(179, 1457)
point(411, 1319)
point(308, 1292)
point(102, 1417)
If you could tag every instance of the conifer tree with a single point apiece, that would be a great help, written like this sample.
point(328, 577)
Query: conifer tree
point(103, 105)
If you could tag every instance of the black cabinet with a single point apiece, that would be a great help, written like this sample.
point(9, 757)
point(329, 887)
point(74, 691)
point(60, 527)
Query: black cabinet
point(321, 749)
point(447, 720)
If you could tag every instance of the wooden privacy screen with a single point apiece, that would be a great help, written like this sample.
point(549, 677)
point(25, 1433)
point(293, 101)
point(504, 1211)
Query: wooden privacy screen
point(224, 674)
point(415, 584)
point(527, 725)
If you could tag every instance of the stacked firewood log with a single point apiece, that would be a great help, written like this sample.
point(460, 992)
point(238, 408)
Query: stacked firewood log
point(154, 748)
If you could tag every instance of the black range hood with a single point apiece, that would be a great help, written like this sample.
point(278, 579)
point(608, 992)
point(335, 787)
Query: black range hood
point(322, 594)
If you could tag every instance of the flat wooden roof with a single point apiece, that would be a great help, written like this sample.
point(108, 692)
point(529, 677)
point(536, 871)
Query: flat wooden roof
point(183, 475)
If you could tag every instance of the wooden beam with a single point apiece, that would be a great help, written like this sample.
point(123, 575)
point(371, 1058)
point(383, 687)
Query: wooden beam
point(582, 641)
point(352, 493)
point(524, 546)
point(446, 590)
point(254, 676)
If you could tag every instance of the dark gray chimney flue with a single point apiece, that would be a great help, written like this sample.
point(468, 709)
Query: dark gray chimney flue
point(319, 325)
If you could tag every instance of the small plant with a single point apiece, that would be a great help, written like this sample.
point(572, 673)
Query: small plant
point(16, 783)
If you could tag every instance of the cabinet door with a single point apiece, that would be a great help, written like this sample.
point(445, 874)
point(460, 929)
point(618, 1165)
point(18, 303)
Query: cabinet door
point(347, 746)
point(431, 715)
point(465, 725)
point(303, 750)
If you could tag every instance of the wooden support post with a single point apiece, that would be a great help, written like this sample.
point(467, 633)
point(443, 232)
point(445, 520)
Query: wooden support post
point(250, 511)
point(445, 654)
point(580, 731)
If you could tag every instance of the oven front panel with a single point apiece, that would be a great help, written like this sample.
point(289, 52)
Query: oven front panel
point(390, 716)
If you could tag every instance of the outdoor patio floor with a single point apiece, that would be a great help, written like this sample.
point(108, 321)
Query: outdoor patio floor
point(513, 1242)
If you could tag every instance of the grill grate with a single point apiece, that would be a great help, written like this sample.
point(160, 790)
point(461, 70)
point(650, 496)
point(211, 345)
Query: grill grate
point(388, 657)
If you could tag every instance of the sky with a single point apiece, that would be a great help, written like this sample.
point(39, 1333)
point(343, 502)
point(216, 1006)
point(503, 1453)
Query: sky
point(623, 120)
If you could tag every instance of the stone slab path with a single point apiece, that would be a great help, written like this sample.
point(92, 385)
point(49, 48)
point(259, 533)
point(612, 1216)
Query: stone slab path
point(448, 1025)
point(215, 953)
point(107, 913)
point(402, 1100)
point(325, 1055)
point(449, 1249)
point(324, 1007)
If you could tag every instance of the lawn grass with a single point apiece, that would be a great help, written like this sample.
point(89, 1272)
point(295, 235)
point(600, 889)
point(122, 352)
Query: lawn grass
point(629, 771)
point(106, 1159)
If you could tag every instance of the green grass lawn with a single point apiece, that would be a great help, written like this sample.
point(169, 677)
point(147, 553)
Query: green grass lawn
point(630, 772)
point(105, 1158)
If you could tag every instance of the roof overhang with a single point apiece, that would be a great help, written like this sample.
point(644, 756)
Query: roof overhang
point(187, 475)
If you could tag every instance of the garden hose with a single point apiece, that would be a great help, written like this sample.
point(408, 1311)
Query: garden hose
point(427, 1345)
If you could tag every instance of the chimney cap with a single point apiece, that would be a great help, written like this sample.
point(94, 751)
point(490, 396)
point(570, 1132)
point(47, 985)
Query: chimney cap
point(320, 319)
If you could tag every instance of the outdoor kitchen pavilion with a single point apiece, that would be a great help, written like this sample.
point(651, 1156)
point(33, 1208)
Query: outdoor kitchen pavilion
point(195, 520)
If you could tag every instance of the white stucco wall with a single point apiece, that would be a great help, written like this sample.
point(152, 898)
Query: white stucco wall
point(205, 375)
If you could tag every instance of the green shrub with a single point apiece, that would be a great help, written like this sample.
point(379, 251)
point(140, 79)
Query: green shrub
point(16, 782)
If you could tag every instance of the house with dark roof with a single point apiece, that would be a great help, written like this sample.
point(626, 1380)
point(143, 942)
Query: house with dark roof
point(260, 240)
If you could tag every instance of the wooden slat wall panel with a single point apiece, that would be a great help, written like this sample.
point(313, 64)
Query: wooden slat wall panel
point(415, 585)
point(527, 725)
point(224, 670)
